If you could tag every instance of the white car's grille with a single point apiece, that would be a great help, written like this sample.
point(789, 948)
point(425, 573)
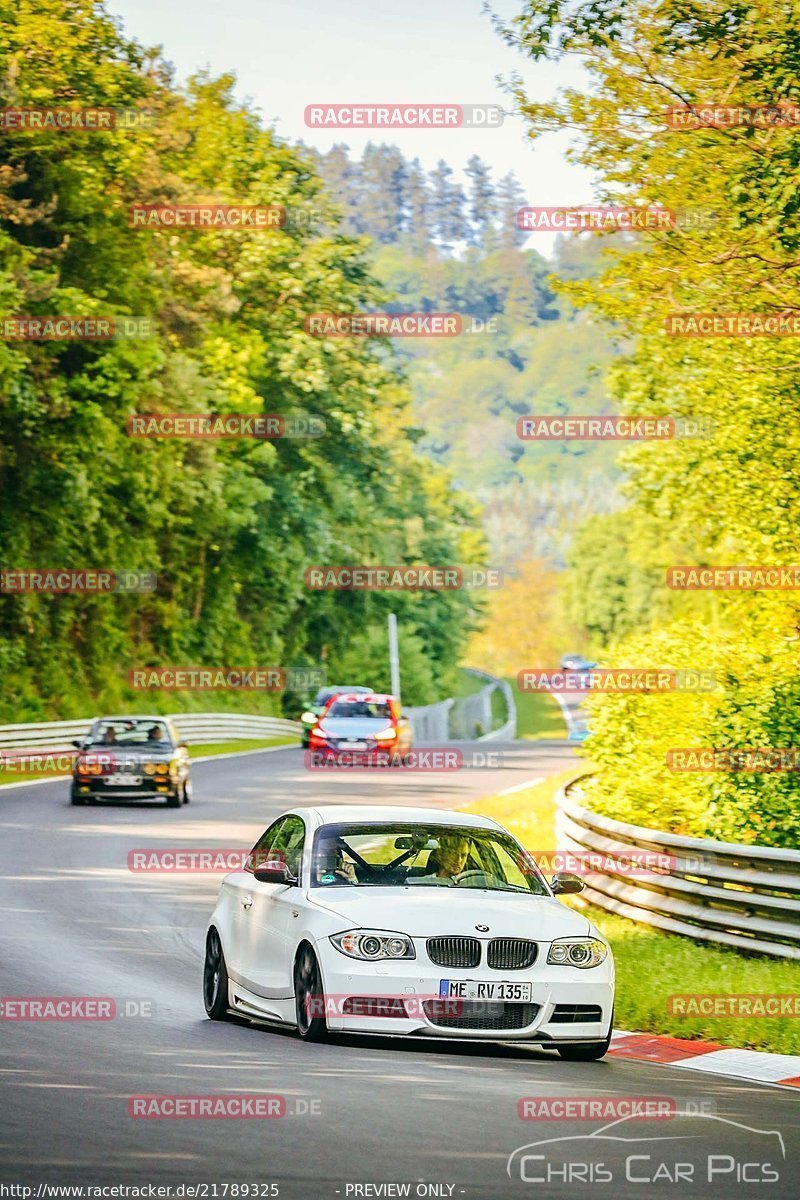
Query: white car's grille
point(454, 951)
point(511, 954)
point(479, 1014)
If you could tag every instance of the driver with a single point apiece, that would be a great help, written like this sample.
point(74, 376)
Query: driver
point(334, 866)
point(109, 735)
point(451, 858)
point(156, 734)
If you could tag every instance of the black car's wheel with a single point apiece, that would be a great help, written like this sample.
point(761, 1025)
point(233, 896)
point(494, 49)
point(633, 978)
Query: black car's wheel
point(174, 801)
point(309, 1001)
point(215, 979)
point(75, 797)
point(186, 794)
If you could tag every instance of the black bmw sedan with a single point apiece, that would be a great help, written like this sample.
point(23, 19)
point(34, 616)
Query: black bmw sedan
point(131, 758)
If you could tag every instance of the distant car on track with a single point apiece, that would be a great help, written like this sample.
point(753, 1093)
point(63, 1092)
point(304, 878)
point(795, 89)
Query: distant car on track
point(309, 718)
point(364, 726)
point(131, 758)
point(406, 921)
point(576, 662)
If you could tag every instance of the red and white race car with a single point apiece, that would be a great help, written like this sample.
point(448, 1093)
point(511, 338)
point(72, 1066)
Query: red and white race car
point(355, 727)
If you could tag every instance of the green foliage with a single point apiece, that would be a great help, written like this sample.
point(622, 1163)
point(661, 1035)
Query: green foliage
point(726, 499)
point(228, 526)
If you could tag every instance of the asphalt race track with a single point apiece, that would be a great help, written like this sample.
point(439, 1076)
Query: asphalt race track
point(427, 1118)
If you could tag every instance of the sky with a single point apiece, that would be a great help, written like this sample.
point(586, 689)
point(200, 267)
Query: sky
point(287, 54)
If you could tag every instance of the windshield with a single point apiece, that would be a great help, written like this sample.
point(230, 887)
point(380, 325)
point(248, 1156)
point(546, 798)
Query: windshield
point(359, 708)
point(130, 732)
point(388, 855)
point(324, 694)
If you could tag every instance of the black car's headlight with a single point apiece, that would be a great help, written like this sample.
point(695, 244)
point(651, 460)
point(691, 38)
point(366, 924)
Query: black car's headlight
point(372, 944)
point(577, 952)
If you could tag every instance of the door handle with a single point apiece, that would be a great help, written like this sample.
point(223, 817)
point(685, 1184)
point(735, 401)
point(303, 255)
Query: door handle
point(247, 901)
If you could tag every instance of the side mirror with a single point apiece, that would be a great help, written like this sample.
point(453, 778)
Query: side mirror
point(77, 743)
point(565, 884)
point(182, 746)
point(274, 871)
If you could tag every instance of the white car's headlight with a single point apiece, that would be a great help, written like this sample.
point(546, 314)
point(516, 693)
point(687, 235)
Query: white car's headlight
point(577, 952)
point(372, 944)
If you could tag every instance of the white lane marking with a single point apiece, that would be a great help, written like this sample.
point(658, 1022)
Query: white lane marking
point(4, 787)
point(519, 787)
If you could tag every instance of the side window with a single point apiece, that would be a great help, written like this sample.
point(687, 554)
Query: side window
point(289, 843)
point(260, 852)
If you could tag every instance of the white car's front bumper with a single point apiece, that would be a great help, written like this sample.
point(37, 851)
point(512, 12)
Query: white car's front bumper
point(554, 989)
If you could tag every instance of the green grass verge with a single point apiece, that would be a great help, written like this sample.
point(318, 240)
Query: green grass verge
point(538, 715)
point(652, 966)
point(242, 744)
point(14, 776)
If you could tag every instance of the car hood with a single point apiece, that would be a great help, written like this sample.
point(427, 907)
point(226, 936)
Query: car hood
point(354, 727)
point(427, 912)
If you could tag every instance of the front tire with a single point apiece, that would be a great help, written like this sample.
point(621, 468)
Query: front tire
point(75, 798)
point(587, 1051)
point(174, 801)
point(307, 995)
point(215, 979)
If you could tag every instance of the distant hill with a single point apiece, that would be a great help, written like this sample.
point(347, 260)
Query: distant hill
point(439, 247)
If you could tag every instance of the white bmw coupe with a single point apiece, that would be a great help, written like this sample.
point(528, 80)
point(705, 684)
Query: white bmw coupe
point(406, 921)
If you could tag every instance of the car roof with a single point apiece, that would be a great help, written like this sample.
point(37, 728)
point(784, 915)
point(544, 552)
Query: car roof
point(134, 717)
point(365, 696)
point(336, 814)
point(338, 688)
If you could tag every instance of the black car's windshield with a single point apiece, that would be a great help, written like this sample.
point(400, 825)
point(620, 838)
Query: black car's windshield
point(419, 856)
point(129, 732)
point(359, 708)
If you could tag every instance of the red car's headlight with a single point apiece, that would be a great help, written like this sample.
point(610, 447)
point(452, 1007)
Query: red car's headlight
point(385, 735)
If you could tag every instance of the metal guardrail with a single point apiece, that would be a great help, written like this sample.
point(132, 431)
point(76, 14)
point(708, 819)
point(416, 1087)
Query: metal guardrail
point(746, 897)
point(471, 713)
point(430, 722)
point(194, 728)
